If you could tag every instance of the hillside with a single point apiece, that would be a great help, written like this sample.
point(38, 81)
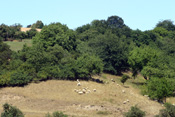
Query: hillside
point(35, 100)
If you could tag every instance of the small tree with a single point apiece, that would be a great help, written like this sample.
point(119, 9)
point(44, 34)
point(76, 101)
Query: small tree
point(168, 112)
point(159, 88)
point(11, 111)
point(124, 78)
point(135, 112)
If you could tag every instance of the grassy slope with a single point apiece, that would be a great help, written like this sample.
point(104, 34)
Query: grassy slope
point(16, 45)
point(38, 99)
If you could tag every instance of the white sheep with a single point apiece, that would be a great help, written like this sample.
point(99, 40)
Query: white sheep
point(94, 90)
point(123, 91)
point(112, 80)
point(124, 102)
point(79, 84)
point(80, 92)
point(127, 100)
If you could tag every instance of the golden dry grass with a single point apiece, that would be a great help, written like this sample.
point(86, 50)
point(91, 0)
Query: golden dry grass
point(35, 100)
point(27, 29)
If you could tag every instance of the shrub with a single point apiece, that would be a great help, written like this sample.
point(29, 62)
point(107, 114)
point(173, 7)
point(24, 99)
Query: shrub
point(56, 114)
point(135, 112)
point(19, 79)
point(5, 78)
point(168, 112)
point(11, 111)
point(124, 78)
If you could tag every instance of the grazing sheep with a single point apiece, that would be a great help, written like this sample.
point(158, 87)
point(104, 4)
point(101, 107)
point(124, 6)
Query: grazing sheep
point(112, 80)
point(88, 91)
point(127, 100)
point(94, 90)
point(80, 92)
point(79, 84)
point(124, 102)
point(84, 91)
point(123, 91)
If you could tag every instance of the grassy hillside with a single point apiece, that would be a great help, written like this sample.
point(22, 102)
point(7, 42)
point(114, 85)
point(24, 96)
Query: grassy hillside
point(16, 45)
point(35, 100)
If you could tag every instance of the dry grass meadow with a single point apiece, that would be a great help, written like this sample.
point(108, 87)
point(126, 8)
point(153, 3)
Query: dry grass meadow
point(37, 99)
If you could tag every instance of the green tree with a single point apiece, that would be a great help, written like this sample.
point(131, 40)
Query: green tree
point(112, 50)
point(124, 78)
point(31, 33)
point(57, 33)
point(159, 88)
point(167, 24)
point(168, 112)
point(39, 24)
point(140, 57)
point(11, 111)
point(115, 22)
point(135, 112)
point(87, 65)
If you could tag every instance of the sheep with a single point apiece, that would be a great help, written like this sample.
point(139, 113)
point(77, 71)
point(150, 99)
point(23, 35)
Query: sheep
point(78, 80)
point(113, 80)
point(84, 91)
point(123, 91)
point(124, 102)
point(80, 92)
point(94, 90)
point(88, 91)
point(127, 100)
point(79, 84)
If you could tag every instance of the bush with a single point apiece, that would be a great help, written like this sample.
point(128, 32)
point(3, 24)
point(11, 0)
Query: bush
point(168, 112)
point(56, 114)
point(135, 112)
point(5, 78)
point(124, 78)
point(11, 111)
point(19, 79)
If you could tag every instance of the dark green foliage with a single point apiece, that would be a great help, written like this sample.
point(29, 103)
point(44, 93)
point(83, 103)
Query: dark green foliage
point(124, 78)
point(5, 53)
point(167, 24)
point(11, 111)
point(168, 112)
point(115, 22)
point(56, 33)
point(56, 114)
point(159, 88)
point(39, 24)
point(31, 33)
point(87, 65)
point(112, 50)
point(141, 57)
point(19, 78)
point(135, 112)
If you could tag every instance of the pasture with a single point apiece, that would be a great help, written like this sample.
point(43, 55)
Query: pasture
point(37, 99)
point(17, 45)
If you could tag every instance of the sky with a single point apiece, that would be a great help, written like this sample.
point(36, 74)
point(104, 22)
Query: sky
point(137, 14)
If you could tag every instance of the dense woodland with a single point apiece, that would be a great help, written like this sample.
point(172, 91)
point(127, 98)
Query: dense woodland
point(102, 46)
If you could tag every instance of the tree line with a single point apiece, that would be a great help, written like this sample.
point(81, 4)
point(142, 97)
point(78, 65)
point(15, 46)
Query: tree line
point(10, 33)
point(101, 46)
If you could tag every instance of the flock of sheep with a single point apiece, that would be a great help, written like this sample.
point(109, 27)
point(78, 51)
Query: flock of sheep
point(84, 90)
point(87, 90)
